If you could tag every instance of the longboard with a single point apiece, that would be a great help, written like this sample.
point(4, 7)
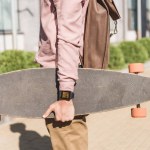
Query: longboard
point(28, 93)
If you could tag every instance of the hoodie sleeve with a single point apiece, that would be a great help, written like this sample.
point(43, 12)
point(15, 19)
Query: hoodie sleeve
point(70, 22)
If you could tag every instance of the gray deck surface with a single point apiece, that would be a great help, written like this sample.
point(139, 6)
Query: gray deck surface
point(28, 93)
point(112, 130)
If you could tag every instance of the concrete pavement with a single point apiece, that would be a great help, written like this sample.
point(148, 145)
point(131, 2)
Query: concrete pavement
point(112, 130)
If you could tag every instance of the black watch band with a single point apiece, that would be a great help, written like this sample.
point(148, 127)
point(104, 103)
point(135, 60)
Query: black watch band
point(65, 95)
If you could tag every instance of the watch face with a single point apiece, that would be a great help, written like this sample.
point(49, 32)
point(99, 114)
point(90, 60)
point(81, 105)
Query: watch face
point(65, 95)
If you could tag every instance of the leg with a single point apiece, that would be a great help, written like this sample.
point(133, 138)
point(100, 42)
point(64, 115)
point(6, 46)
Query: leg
point(70, 135)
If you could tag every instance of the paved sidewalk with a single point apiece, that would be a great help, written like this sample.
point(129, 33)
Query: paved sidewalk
point(112, 130)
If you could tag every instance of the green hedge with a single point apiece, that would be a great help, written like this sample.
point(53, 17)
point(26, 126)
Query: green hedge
point(116, 58)
point(124, 53)
point(11, 60)
point(133, 52)
point(146, 43)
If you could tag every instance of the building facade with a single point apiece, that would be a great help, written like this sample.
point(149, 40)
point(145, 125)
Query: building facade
point(135, 20)
point(19, 22)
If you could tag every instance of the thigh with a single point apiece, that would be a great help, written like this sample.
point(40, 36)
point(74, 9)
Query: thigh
point(69, 135)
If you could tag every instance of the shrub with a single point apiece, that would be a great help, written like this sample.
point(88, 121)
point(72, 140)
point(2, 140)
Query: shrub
point(11, 60)
point(146, 43)
point(116, 58)
point(133, 52)
point(30, 59)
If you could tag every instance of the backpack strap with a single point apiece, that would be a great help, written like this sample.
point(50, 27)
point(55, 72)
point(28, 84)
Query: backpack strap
point(113, 11)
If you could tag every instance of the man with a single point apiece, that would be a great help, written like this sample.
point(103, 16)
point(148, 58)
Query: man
point(61, 46)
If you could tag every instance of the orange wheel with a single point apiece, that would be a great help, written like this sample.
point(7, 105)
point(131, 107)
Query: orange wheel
point(138, 112)
point(136, 68)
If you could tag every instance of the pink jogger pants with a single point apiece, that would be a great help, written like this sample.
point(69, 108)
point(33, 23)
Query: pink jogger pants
point(61, 38)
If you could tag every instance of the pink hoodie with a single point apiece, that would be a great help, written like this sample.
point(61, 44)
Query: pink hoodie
point(61, 38)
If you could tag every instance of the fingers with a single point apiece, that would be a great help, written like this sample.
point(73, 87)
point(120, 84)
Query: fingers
point(58, 117)
point(64, 111)
point(48, 111)
point(67, 117)
point(63, 117)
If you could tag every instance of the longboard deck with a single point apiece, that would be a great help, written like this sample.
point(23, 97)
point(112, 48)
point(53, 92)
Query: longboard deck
point(28, 93)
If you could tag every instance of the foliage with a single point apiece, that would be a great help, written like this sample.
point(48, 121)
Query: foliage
point(116, 58)
point(146, 43)
point(11, 60)
point(133, 52)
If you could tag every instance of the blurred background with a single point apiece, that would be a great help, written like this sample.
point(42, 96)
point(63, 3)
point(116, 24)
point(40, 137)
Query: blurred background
point(19, 22)
point(19, 30)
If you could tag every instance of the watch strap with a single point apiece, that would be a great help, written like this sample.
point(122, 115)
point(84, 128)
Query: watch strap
point(65, 95)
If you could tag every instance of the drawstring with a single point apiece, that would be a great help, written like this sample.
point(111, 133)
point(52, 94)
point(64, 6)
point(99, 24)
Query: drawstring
point(115, 29)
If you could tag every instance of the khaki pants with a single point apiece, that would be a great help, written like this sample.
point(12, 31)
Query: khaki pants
point(69, 135)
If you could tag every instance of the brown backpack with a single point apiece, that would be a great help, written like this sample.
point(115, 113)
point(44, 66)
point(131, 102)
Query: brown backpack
point(97, 33)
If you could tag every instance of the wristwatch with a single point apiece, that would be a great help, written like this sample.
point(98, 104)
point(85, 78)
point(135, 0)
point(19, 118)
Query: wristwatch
point(65, 95)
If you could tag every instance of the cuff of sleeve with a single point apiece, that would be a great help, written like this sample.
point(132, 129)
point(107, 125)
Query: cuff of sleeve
point(66, 86)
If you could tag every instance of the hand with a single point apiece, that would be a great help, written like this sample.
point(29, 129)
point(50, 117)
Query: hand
point(64, 110)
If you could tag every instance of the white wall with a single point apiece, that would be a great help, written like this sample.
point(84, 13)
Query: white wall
point(6, 42)
point(123, 32)
point(29, 22)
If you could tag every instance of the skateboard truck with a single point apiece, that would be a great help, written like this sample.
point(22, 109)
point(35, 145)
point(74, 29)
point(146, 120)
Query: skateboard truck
point(137, 112)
